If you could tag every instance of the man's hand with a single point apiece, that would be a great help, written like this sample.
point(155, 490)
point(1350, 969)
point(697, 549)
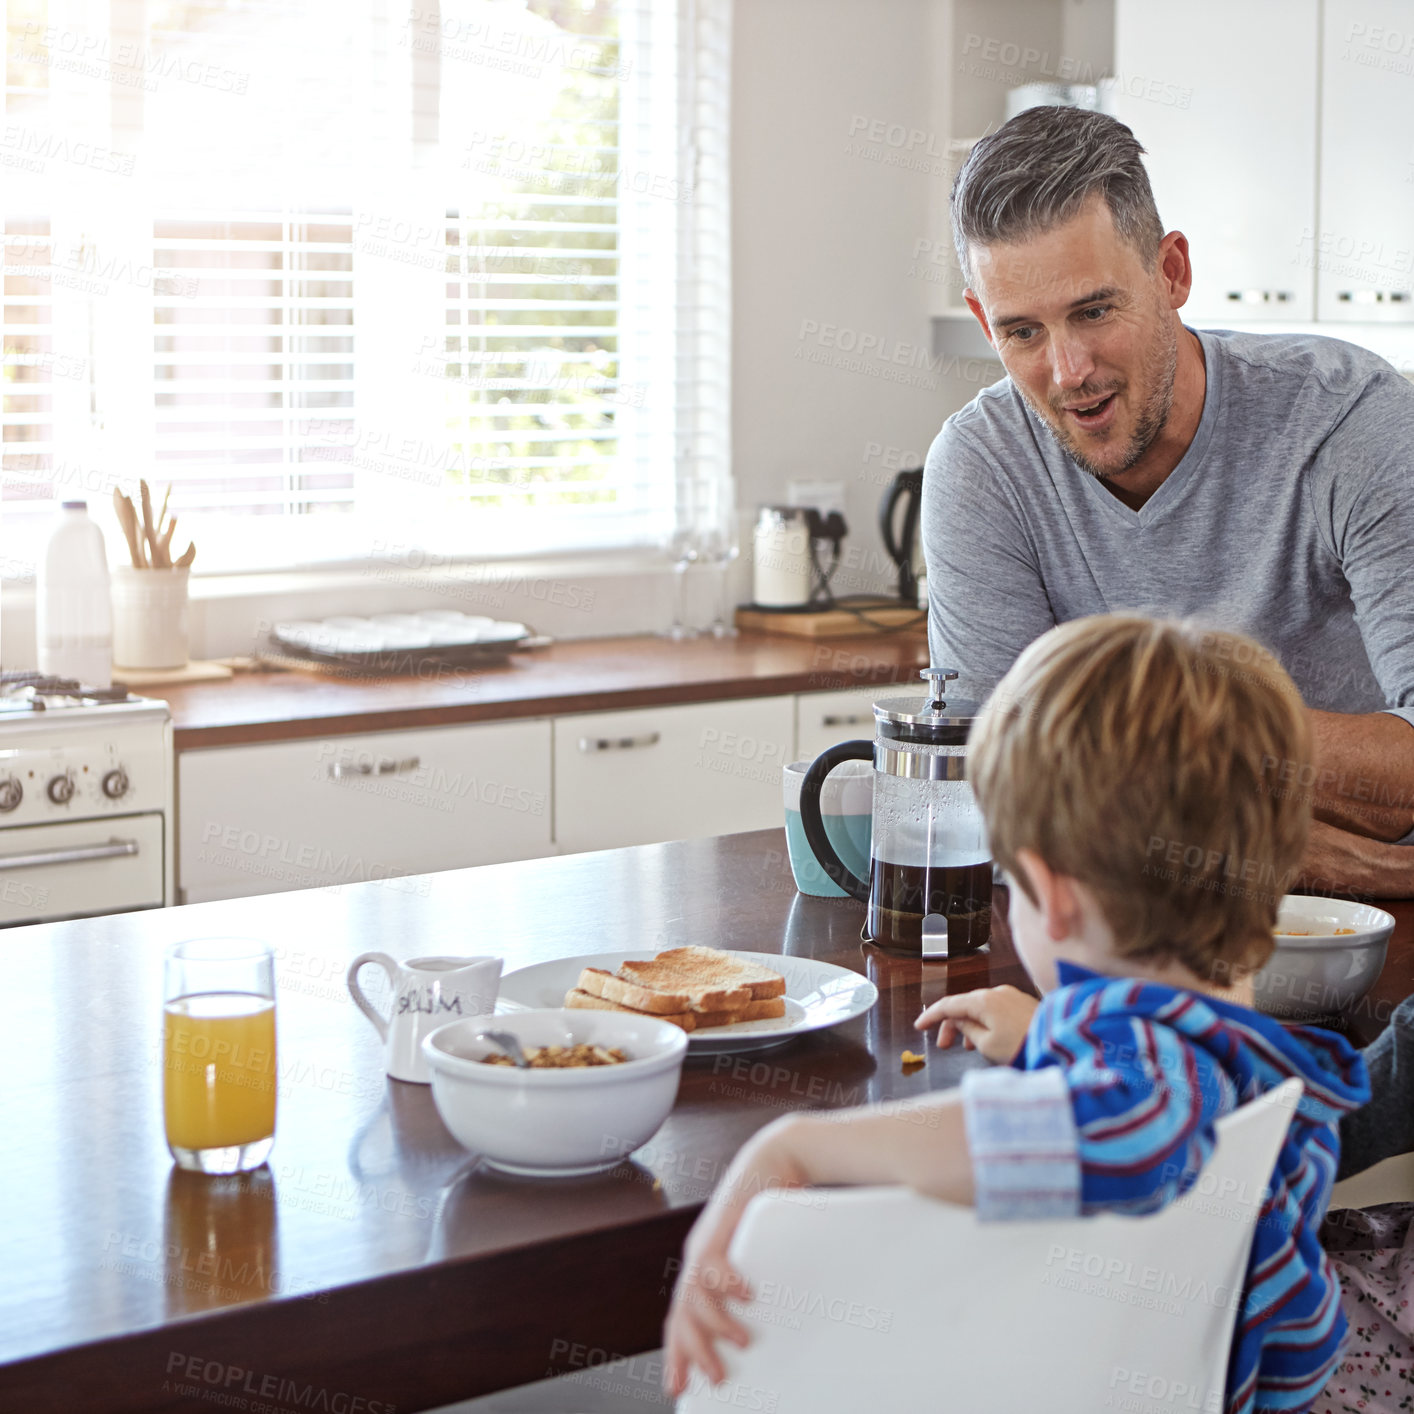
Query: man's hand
point(993, 1020)
point(1337, 861)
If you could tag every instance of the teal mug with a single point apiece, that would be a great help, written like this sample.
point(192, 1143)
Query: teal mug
point(847, 809)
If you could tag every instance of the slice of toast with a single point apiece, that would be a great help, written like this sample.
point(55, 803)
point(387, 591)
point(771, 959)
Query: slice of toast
point(763, 1010)
point(706, 967)
point(662, 994)
point(579, 1000)
point(769, 1007)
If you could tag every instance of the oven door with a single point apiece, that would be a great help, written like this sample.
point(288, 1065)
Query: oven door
point(80, 868)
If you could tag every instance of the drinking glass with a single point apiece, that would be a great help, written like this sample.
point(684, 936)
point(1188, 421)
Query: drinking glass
point(720, 547)
point(218, 1044)
point(683, 549)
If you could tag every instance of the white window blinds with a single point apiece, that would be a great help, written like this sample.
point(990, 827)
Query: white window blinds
point(368, 281)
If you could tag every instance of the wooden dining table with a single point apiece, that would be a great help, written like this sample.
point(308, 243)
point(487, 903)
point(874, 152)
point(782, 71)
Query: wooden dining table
point(375, 1265)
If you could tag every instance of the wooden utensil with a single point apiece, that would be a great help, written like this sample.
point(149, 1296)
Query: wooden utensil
point(127, 518)
point(188, 555)
point(148, 528)
point(165, 543)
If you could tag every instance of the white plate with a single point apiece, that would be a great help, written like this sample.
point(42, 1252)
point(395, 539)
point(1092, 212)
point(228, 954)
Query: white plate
point(818, 994)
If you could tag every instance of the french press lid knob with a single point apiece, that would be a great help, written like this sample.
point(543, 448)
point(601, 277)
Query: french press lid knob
point(939, 678)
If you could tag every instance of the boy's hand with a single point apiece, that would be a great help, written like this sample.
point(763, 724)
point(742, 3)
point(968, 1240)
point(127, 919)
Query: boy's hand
point(699, 1316)
point(993, 1020)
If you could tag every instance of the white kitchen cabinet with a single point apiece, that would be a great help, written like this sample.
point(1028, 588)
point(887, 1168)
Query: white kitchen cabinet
point(667, 773)
point(824, 718)
point(341, 810)
point(1224, 101)
point(1364, 248)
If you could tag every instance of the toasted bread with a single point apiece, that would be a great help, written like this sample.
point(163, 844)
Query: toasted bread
point(580, 1000)
point(599, 983)
point(768, 1007)
point(644, 991)
point(763, 1010)
point(706, 967)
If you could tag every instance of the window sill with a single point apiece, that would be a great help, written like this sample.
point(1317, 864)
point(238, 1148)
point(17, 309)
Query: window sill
point(562, 596)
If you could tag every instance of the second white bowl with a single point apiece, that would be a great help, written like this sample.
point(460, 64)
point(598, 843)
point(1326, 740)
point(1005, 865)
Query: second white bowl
point(1317, 970)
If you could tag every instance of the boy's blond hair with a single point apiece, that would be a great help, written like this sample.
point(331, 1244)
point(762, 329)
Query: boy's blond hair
point(1144, 758)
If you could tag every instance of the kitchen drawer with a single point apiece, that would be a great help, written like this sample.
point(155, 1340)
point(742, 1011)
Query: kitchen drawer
point(824, 718)
point(73, 869)
point(670, 773)
point(291, 815)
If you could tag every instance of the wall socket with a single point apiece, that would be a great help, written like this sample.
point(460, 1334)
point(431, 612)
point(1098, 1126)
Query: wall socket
point(825, 496)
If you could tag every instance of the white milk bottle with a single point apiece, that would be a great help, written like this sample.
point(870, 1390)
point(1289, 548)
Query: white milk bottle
point(73, 613)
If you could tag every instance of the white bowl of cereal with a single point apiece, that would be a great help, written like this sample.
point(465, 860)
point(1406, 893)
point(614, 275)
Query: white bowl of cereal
point(556, 1120)
point(1329, 953)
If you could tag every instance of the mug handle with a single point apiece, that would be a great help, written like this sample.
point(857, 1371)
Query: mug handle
point(356, 992)
point(835, 868)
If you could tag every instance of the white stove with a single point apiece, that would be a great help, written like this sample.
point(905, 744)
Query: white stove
point(85, 800)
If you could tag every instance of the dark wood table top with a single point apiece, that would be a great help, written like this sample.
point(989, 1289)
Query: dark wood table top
point(586, 675)
point(374, 1258)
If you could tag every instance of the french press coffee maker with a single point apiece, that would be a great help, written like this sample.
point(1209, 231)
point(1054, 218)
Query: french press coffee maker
point(929, 891)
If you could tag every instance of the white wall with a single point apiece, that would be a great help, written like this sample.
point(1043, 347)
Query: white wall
point(838, 159)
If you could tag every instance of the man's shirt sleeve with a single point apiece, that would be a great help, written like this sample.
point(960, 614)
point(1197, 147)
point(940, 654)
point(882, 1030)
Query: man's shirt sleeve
point(986, 601)
point(1362, 488)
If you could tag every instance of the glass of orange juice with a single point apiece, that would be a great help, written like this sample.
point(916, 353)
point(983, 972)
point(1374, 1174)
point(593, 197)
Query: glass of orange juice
point(218, 1043)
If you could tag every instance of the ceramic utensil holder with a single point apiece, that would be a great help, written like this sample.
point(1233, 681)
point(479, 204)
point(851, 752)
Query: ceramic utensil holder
point(149, 617)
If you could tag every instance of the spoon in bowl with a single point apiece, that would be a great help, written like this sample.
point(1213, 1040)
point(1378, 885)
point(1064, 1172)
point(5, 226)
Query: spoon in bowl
point(508, 1043)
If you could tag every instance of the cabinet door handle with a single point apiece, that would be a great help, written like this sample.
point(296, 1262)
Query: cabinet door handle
point(384, 766)
point(1375, 296)
point(846, 719)
point(1262, 296)
point(590, 744)
point(114, 849)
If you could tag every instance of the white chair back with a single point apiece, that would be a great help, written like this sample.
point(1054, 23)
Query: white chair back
point(879, 1299)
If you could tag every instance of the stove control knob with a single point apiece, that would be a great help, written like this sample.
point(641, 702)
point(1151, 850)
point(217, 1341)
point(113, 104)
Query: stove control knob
point(115, 784)
point(11, 793)
point(61, 789)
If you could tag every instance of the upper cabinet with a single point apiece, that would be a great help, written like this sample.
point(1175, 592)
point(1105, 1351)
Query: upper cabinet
point(1365, 248)
point(1223, 98)
point(1277, 140)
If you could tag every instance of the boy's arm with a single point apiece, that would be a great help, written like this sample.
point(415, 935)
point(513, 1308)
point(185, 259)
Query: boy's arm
point(922, 1142)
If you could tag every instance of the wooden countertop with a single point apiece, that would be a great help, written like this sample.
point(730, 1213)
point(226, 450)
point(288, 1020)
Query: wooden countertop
point(374, 1256)
point(580, 676)
point(374, 1259)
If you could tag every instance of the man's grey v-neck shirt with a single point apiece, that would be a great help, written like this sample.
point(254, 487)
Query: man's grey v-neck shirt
point(1290, 518)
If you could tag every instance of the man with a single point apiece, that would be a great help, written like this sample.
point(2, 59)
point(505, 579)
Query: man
point(1258, 482)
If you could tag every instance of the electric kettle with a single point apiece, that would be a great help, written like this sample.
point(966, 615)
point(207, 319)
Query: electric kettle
point(903, 537)
point(929, 891)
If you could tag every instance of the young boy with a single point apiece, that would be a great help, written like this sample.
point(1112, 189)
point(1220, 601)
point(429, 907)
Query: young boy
point(1114, 744)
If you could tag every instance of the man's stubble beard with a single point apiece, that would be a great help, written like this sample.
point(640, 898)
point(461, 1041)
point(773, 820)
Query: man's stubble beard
point(1152, 416)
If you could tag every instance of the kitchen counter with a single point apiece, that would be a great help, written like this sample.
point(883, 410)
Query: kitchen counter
point(578, 676)
point(373, 1259)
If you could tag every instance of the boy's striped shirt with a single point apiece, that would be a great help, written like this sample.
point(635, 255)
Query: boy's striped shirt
point(1110, 1107)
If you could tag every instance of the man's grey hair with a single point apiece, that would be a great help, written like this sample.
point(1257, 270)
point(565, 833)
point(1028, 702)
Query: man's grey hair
point(1037, 171)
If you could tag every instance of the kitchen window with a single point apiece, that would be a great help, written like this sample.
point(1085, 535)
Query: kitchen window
point(360, 280)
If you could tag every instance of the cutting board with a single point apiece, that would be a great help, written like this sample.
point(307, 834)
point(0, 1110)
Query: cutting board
point(194, 671)
point(831, 623)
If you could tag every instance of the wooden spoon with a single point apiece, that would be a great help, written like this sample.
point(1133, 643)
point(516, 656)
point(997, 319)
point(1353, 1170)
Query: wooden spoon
point(127, 518)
